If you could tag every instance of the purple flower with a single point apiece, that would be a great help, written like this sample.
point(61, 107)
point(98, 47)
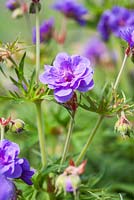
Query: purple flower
point(68, 184)
point(71, 9)
point(127, 34)
point(7, 190)
point(27, 173)
point(114, 20)
point(103, 26)
point(12, 4)
point(46, 31)
point(68, 73)
point(95, 50)
point(10, 165)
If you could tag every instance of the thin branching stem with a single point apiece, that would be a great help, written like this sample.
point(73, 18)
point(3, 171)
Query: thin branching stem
point(67, 142)
point(37, 44)
point(91, 136)
point(120, 72)
point(41, 134)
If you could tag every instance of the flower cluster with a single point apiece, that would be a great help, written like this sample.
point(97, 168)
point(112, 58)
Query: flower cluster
point(71, 9)
point(68, 73)
point(11, 166)
point(46, 31)
point(112, 21)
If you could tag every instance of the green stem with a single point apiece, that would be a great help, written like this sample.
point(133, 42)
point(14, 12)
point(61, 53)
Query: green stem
point(41, 134)
point(2, 132)
point(91, 136)
point(37, 44)
point(67, 142)
point(120, 72)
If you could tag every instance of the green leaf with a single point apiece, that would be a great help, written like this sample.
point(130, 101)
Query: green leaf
point(21, 67)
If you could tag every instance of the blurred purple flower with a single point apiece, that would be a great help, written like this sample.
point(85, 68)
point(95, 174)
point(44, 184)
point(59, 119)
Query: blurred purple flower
point(46, 31)
point(68, 73)
point(127, 34)
point(7, 190)
point(95, 49)
point(71, 9)
point(12, 4)
point(114, 20)
point(10, 165)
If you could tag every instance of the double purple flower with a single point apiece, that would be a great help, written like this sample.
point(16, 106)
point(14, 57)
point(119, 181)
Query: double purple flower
point(11, 166)
point(68, 73)
point(46, 31)
point(112, 21)
point(71, 9)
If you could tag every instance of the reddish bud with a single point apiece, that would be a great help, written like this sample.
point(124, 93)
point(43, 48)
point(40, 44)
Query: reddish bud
point(5, 122)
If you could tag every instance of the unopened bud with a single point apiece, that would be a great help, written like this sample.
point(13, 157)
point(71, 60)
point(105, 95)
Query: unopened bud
point(17, 126)
point(32, 8)
point(123, 126)
point(17, 13)
point(67, 183)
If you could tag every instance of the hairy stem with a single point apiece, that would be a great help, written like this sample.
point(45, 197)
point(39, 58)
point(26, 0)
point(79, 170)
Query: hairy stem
point(41, 134)
point(37, 44)
point(91, 136)
point(2, 132)
point(120, 72)
point(67, 142)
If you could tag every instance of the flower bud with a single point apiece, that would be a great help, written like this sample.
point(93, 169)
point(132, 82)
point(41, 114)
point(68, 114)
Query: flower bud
point(132, 57)
point(32, 8)
point(17, 13)
point(67, 183)
point(123, 126)
point(17, 126)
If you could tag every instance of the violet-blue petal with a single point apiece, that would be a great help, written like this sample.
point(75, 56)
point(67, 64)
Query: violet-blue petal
point(27, 173)
point(127, 34)
point(7, 189)
point(66, 75)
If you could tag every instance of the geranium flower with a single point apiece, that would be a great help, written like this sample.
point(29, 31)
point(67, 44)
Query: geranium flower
point(127, 34)
point(11, 165)
point(68, 73)
point(114, 20)
point(71, 9)
point(46, 31)
point(7, 189)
